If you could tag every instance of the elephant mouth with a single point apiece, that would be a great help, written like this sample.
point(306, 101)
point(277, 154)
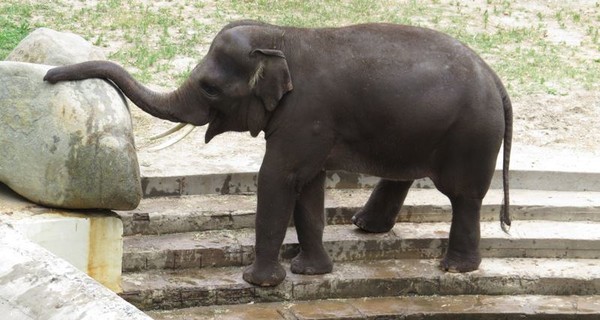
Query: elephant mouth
point(212, 115)
point(214, 125)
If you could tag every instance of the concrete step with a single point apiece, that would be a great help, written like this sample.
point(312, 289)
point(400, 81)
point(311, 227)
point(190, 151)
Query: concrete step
point(476, 307)
point(173, 184)
point(216, 212)
point(207, 238)
point(173, 289)
point(535, 239)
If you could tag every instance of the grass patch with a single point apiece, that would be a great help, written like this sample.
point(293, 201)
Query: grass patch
point(147, 37)
point(317, 13)
point(14, 26)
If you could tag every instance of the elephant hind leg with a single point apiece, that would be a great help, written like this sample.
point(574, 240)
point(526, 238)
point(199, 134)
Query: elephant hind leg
point(381, 210)
point(463, 247)
point(464, 176)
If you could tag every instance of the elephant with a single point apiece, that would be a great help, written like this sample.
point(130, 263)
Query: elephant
point(394, 101)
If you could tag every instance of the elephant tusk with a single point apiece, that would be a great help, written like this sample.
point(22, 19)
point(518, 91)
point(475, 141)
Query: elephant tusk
point(168, 132)
point(189, 128)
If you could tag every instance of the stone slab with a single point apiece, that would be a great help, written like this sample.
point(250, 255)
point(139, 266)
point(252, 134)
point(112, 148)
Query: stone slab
point(265, 311)
point(165, 289)
point(35, 284)
point(535, 239)
point(214, 212)
point(245, 182)
point(476, 307)
point(91, 241)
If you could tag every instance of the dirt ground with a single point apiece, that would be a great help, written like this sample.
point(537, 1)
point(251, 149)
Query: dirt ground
point(567, 122)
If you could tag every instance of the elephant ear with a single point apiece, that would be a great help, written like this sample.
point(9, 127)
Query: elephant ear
point(271, 79)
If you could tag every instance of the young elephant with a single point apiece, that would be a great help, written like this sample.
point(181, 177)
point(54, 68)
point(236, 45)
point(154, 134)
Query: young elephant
point(393, 101)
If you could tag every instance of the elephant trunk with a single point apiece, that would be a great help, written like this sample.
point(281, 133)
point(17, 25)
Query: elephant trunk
point(181, 105)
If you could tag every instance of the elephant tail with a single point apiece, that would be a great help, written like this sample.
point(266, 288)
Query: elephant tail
point(508, 128)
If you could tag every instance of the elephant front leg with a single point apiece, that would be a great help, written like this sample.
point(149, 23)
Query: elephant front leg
point(309, 219)
point(463, 247)
point(380, 212)
point(276, 200)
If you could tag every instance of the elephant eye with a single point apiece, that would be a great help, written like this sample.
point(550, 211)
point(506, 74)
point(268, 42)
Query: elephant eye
point(210, 90)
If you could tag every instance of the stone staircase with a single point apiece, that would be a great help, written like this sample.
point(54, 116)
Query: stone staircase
point(184, 252)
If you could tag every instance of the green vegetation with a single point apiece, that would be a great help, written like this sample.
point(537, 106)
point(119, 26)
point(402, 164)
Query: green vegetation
point(148, 36)
point(14, 26)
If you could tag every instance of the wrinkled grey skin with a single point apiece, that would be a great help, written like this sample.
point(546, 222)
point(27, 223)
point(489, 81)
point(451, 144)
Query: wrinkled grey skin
point(393, 101)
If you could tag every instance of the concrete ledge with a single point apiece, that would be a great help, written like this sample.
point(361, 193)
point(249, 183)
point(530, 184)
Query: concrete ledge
point(35, 284)
point(245, 182)
point(215, 212)
point(479, 307)
point(92, 241)
point(344, 243)
point(167, 289)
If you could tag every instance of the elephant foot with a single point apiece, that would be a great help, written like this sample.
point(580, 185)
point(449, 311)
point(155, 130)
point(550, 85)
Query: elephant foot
point(454, 264)
point(303, 264)
point(372, 223)
point(264, 276)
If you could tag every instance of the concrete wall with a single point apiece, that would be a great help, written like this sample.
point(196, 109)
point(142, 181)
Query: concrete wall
point(91, 242)
point(35, 284)
point(57, 264)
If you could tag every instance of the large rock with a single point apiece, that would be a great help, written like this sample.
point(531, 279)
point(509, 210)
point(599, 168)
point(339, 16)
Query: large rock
point(46, 46)
point(68, 145)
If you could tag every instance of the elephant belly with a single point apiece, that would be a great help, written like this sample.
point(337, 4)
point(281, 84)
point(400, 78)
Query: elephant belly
point(388, 165)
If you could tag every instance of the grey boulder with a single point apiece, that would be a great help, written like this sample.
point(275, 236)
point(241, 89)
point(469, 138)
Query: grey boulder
point(46, 46)
point(68, 145)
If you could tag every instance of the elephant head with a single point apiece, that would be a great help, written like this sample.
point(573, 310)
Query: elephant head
point(235, 87)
